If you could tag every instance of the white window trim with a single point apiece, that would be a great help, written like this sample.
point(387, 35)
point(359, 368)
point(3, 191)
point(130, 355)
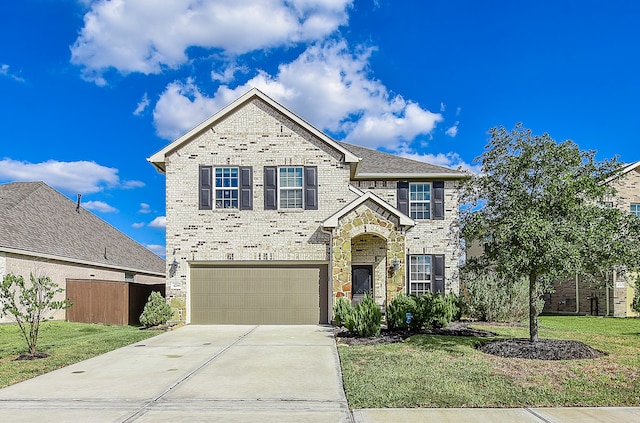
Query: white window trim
point(421, 202)
point(301, 188)
point(637, 211)
point(412, 281)
point(215, 188)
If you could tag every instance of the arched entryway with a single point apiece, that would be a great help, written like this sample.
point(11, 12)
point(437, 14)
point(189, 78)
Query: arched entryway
point(368, 267)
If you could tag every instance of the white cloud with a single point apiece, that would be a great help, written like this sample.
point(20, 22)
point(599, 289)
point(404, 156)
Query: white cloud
point(142, 105)
point(228, 72)
point(443, 107)
point(144, 208)
point(159, 222)
point(160, 250)
point(99, 206)
point(138, 225)
point(453, 130)
point(132, 184)
point(147, 36)
point(451, 160)
point(326, 74)
point(74, 177)
point(4, 71)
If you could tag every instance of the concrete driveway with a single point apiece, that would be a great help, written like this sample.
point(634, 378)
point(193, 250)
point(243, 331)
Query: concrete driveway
point(195, 373)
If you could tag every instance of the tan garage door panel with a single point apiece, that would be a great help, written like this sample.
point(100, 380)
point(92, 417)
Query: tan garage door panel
point(258, 295)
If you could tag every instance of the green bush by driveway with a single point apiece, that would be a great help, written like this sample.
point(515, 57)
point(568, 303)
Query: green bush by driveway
point(446, 371)
point(65, 342)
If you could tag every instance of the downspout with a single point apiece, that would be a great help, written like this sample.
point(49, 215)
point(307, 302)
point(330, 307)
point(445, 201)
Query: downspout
point(330, 276)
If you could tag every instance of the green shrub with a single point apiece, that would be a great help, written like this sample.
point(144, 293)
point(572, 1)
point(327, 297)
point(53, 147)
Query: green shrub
point(488, 298)
point(341, 311)
point(156, 311)
point(363, 319)
point(367, 316)
point(439, 311)
point(635, 305)
point(397, 312)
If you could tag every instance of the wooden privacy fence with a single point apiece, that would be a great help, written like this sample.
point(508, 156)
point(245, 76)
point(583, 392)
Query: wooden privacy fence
point(109, 302)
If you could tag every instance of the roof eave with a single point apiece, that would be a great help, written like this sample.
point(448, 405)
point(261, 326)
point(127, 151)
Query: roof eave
point(412, 176)
point(332, 221)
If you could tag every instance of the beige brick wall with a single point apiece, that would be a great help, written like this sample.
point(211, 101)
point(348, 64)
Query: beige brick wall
point(252, 136)
point(257, 136)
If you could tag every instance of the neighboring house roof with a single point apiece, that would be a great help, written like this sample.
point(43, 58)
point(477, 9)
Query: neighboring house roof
point(404, 220)
point(158, 159)
point(622, 171)
point(377, 164)
point(37, 220)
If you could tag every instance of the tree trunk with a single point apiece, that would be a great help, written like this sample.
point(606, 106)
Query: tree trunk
point(533, 312)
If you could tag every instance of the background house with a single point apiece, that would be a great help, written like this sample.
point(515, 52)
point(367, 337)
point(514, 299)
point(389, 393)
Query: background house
point(578, 296)
point(269, 219)
point(106, 274)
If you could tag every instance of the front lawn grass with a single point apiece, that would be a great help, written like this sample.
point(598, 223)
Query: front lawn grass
point(446, 371)
point(66, 343)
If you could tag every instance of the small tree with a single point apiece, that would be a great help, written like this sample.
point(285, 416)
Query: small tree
point(156, 311)
point(536, 208)
point(30, 305)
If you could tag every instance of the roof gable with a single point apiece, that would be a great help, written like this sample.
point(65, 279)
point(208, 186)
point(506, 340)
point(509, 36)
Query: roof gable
point(332, 221)
point(623, 171)
point(36, 219)
point(158, 159)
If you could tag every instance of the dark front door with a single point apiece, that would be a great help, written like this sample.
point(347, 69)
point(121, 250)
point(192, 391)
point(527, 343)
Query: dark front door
point(362, 281)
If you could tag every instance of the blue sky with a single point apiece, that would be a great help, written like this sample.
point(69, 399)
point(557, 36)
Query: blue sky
point(90, 89)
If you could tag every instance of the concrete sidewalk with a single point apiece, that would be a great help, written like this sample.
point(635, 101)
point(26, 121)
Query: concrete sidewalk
point(234, 374)
point(499, 415)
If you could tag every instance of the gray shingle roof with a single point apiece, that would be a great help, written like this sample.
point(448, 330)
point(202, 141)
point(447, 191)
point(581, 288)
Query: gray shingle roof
point(379, 163)
point(36, 218)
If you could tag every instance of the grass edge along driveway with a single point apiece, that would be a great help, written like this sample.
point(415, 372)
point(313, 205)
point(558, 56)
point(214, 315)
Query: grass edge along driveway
point(65, 342)
point(446, 371)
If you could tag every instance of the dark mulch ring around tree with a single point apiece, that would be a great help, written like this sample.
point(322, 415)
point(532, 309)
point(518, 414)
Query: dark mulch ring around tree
point(544, 349)
point(35, 356)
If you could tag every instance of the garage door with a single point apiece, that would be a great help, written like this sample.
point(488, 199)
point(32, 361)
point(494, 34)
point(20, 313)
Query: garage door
point(271, 295)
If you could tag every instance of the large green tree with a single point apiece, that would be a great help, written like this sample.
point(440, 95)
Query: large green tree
point(537, 206)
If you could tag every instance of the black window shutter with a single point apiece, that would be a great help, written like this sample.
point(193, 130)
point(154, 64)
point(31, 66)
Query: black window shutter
point(246, 188)
point(437, 200)
point(270, 188)
point(437, 273)
point(403, 197)
point(204, 188)
point(311, 188)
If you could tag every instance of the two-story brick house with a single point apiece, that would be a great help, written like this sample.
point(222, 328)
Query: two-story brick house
point(578, 296)
point(269, 219)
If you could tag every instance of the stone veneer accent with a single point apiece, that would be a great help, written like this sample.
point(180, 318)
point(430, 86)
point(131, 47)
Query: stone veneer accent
point(368, 219)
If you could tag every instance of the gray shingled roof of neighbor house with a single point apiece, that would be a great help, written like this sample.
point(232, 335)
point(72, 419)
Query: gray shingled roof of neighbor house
point(35, 218)
point(378, 163)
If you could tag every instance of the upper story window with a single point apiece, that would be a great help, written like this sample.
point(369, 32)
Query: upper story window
point(635, 209)
point(226, 187)
point(420, 200)
point(290, 186)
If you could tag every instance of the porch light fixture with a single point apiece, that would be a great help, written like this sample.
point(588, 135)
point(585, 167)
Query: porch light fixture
point(173, 268)
point(395, 264)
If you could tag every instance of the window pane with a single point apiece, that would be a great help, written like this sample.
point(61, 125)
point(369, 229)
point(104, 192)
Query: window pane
point(291, 199)
point(419, 201)
point(635, 208)
point(226, 187)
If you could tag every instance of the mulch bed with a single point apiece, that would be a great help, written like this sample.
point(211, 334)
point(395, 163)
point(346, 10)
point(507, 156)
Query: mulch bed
point(35, 356)
point(544, 349)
